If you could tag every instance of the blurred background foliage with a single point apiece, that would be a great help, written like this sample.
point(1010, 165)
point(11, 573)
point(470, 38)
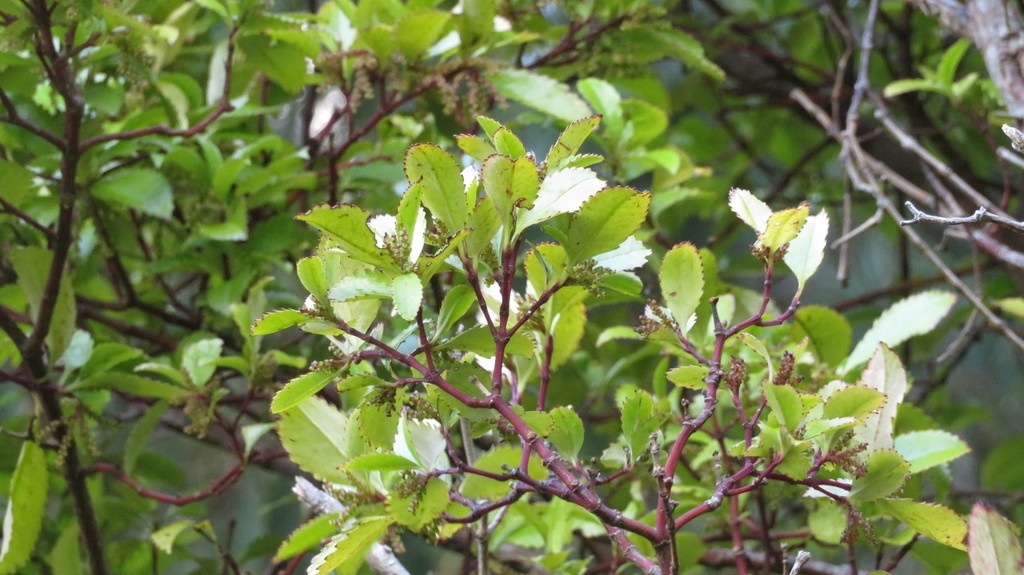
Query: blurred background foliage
point(153, 155)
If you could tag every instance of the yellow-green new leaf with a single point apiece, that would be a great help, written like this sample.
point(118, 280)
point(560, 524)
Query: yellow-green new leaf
point(347, 548)
point(682, 281)
point(444, 192)
point(314, 434)
point(301, 387)
point(936, 522)
point(541, 93)
point(25, 505)
point(783, 226)
point(510, 184)
point(347, 226)
point(688, 376)
point(569, 141)
point(605, 221)
point(887, 471)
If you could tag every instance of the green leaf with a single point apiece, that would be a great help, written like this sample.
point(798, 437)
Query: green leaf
point(855, 401)
point(993, 546)
point(569, 142)
point(541, 93)
point(758, 347)
point(887, 471)
point(567, 331)
point(783, 226)
point(606, 101)
point(807, 250)
point(407, 292)
point(315, 435)
point(366, 284)
point(508, 143)
point(444, 192)
point(884, 373)
point(140, 434)
point(785, 403)
point(475, 147)
point(688, 50)
point(561, 192)
point(275, 321)
point(26, 503)
point(567, 433)
point(456, 303)
point(479, 341)
point(359, 381)
point(605, 221)
point(647, 122)
point(496, 460)
point(510, 184)
point(380, 462)
point(307, 536)
point(427, 266)
point(347, 226)
point(418, 31)
point(913, 315)
point(106, 356)
point(830, 334)
point(141, 189)
point(253, 432)
point(199, 360)
point(945, 72)
point(630, 254)
point(78, 351)
point(682, 282)
point(32, 266)
point(349, 546)
point(928, 448)
point(420, 509)
point(301, 387)
point(311, 273)
point(546, 266)
point(688, 376)
point(934, 521)
point(636, 408)
point(130, 384)
point(751, 210)
point(900, 87)
point(165, 537)
point(283, 63)
point(17, 182)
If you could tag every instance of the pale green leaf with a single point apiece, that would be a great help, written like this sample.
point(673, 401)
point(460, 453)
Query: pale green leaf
point(541, 93)
point(380, 462)
point(936, 522)
point(26, 503)
point(199, 359)
point(758, 347)
point(253, 432)
point(130, 384)
point(569, 142)
point(567, 330)
point(307, 536)
point(510, 184)
point(887, 471)
point(993, 546)
point(301, 387)
point(807, 250)
point(275, 321)
point(688, 376)
point(315, 435)
point(884, 373)
point(682, 282)
point(688, 50)
point(368, 284)
point(913, 315)
point(567, 433)
point(313, 277)
point(927, 448)
point(636, 408)
point(785, 403)
point(141, 189)
point(561, 192)
point(604, 221)
point(349, 546)
point(475, 147)
point(748, 208)
point(630, 254)
point(407, 292)
point(165, 537)
point(418, 31)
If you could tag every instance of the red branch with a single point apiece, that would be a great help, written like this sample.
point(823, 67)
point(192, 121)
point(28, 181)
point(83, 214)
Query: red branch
point(220, 485)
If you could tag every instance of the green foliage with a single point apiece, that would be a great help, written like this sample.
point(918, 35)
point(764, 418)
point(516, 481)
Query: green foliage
point(486, 334)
